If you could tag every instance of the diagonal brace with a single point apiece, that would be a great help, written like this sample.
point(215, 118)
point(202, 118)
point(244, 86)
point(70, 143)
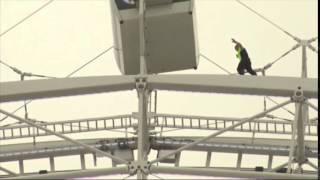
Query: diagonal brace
point(64, 137)
point(312, 165)
point(7, 171)
point(312, 106)
point(221, 131)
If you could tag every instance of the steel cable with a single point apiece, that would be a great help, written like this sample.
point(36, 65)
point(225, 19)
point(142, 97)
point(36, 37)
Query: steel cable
point(69, 75)
point(26, 18)
point(266, 19)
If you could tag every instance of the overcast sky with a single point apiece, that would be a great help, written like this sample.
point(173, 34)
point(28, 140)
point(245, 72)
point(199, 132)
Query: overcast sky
point(68, 33)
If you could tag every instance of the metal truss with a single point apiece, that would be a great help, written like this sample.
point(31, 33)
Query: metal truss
point(297, 90)
point(170, 170)
point(145, 140)
point(240, 146)
point(176, 122)
point(271, 147)
point(68, 127)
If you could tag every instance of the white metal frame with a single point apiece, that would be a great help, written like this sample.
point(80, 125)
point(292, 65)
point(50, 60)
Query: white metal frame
point(142, 166)
point(297, 89)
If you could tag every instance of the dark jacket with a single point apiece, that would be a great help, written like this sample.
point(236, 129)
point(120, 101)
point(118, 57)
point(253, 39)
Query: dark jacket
point(244, 56)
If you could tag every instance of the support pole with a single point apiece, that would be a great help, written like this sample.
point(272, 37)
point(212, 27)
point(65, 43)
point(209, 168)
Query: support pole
point(264, 97)
point(64, 137)
point(52, 166)
point(208, 161)
point(303, 114)
point(293, 137)
point(239, 160)
point(143, 94)
point(155, 101)
point(270, 159)
point(21, 167)
point(304, 72)
point(26, 115)
point(82, 161)
point(143, 134)
point(177, 163)
point(94, 158)
point(300, 156)
point(221, 131)
point(143, 65)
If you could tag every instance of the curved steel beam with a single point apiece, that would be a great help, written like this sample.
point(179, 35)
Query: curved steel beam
point(212, 172)
point(227, 84)
point(36, 89)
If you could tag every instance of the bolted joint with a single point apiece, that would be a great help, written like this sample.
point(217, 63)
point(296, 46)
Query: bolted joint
point(304, 42)
point(298, 96)
point(136, 166)
point(141, 83)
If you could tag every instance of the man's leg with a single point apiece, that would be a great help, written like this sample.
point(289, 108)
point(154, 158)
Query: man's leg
point(250, 70)
point(241, 68)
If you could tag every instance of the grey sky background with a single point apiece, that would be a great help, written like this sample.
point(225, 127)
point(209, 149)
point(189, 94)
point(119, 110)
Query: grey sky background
point(68, 33)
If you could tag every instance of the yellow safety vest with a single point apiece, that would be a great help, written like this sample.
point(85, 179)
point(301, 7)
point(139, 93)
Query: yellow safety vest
point(239, 53)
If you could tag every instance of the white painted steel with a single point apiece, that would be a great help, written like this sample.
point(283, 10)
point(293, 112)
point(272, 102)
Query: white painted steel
point(228, 173)
point(221, 131)
point(227, 84)
point(93, 149)
point(278, 147)
point(233, 84)
point(77, 174)
point(35, 89)
point(7, 171)
point(157, 120)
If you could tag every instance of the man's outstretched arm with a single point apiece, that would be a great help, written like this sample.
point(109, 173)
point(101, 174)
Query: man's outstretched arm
point(236, 42)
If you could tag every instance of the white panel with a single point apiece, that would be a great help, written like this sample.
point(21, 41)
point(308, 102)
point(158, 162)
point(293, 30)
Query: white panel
point(171, 39)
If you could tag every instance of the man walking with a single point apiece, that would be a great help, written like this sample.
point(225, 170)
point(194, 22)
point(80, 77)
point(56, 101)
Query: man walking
point(245, 63)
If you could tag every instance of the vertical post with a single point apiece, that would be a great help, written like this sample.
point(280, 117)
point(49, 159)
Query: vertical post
point(82, 161)
point(94, 156)
point(126, 129)
point(304, 72)
point(52, 167)
point(300, 156)
point(177, 163)
point(143, 134)
point(295, 127)
point(143, 94)
point(208, 161)
point(239, 160)
point(21, 168)
point(304, 113)
point(270, 159)
point(254, 131)
point(155, 101)
point(26, 116)
point(150, 103)
point(143, 65)
point(264, 97)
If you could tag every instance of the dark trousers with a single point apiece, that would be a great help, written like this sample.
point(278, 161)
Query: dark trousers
point(245, 65)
